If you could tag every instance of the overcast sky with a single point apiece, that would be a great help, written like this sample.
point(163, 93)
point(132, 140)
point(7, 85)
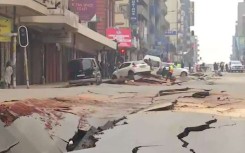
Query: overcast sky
point(215, 26)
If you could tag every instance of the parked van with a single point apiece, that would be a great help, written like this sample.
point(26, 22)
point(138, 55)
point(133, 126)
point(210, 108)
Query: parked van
point(84, 70)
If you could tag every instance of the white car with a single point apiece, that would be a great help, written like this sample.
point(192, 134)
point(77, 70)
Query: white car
point(129, 69)
point(183, 72)
point(236, 66)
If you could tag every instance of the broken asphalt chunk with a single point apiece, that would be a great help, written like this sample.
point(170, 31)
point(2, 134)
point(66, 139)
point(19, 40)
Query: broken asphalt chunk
point(201, 94)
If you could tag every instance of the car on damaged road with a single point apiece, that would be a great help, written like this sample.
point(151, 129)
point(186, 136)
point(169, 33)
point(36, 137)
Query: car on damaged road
point(83, 71)
point(129, 69)
point(183, 72)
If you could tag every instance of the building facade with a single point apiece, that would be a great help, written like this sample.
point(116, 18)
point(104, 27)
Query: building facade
point(56, 36)
point(158, 25)
point(238, 47)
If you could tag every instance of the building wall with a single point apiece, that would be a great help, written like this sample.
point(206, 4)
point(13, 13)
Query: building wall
point(241, 12)
point(122, 13)
point(172, 17)
point(105, 15)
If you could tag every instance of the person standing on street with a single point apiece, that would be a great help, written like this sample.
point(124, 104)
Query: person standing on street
point(170, 72)
point(226, 67)
point(8, 74)
point(222, 66)
point(216, 68)
point(182, 64)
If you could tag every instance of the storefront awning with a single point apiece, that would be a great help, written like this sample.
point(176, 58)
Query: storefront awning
point(90, 40)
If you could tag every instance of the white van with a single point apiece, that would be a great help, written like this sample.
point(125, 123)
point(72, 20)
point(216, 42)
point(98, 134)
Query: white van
point(156, 63)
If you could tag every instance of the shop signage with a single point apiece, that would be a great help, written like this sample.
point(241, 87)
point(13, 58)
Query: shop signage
point(170, 33)
point(122, 35)
point(5, 30)
point(133, 12)
point(85, 9)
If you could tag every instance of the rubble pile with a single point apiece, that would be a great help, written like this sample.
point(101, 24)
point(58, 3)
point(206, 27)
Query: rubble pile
point(144, 80)
point(50, 111)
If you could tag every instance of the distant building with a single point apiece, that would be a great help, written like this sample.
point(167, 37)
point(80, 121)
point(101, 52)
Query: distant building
point(238, 47)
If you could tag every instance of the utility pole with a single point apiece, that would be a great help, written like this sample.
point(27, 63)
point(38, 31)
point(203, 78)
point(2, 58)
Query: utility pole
point(177, 23)
point(14, 48)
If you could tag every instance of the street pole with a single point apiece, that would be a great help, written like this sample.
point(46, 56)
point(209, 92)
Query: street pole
point(14, 60)
point(26, 68)
point(14, 48)
point(177, 25)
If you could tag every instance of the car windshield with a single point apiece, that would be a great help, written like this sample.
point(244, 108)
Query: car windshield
point(236, 62)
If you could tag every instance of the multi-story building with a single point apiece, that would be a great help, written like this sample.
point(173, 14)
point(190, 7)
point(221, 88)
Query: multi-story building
point(158, 25)
point(105, 15)
point(56, 35)
point(239, 37)
point(134, 14)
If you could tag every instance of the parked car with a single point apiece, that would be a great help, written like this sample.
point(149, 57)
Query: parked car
point(183, 72)
point(236, 66)
point(84, 70)
point(129, 69)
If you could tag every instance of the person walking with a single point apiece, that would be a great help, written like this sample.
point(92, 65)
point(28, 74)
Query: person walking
point(8, 74)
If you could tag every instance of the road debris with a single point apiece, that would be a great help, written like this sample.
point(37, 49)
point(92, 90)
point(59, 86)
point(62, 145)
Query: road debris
point(202, 94)
point(136, 149)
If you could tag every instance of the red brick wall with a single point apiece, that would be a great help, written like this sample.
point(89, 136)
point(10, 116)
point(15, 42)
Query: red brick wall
point(104, 8)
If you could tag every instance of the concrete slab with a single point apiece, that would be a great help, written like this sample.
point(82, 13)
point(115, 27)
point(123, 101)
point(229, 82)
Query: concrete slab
point(32, 136)
point(6, 138)
point(162, 128)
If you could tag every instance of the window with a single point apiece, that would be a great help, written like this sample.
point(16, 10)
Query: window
point(86, 64)
point(124, 65)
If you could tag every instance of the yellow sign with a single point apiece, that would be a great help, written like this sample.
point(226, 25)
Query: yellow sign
point(5, 30)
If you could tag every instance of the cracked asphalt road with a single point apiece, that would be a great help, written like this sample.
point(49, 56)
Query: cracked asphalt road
point(57, 113)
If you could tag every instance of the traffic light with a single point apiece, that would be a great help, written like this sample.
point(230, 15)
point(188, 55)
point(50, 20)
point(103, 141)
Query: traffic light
point(122, 51)
point(23, 36)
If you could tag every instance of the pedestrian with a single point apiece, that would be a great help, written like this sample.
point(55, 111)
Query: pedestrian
point(222, 66)
point(170, 72)
point(226, 68)
point(182, 64)
point(150, 64)
point(8, 74)
point(189, 66)
point(216, 68)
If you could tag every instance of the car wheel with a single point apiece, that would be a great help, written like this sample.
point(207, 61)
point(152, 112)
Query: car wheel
point(183, 74)
point(114, 77)
point(131, 75)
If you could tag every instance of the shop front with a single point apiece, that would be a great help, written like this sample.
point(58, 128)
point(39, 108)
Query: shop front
point(57, 40)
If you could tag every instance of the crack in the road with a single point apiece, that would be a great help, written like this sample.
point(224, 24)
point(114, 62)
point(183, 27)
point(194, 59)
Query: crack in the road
point(9, 148)
point(233, 124)
point(199, 128)
point(136, 149)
